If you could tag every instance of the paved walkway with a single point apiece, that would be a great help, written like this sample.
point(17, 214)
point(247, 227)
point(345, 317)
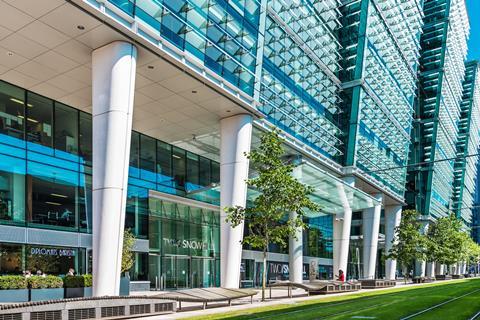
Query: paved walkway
point(279, 296)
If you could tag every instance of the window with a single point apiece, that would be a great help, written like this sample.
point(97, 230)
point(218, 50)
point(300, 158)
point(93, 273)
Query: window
point(50, 260)
point(12, 109)
point(147, 158)
point(192, 172)
point(85, 138)
point(12, 190)
point(178, 159)
point(215, 172)
point(134, 154)
point(39, 120)
point(52, 201)
point(66, 128)
point(204, 172)
point(85, 203)
point(164, 163)
point(10, 259)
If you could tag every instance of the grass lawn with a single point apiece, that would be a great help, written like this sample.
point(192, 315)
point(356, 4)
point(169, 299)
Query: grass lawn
point(459, 300)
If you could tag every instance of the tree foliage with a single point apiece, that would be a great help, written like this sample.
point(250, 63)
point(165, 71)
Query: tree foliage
point(446, 242)
point(128, 257)
point(409, 243)
point(267, 217)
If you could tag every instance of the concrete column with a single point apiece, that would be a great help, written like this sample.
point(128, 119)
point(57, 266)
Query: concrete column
point(393, 215)
point(420, 268)
point(439, 268)
point(430, 272)
point(371, 228)
point(235, 136)
point(295, 244)
point(342, 223)
point(113, 85)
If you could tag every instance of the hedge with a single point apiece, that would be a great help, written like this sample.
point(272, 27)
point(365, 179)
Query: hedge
point(13, 282)
point(47, 282)
point(78, 281)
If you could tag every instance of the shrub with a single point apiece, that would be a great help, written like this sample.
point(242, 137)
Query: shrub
point(74, 282)
point(13, 282)
point(47, 282)
point(88, 280)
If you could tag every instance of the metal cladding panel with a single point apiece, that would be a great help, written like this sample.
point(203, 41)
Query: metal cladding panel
point(53, 237)
point(12, 234)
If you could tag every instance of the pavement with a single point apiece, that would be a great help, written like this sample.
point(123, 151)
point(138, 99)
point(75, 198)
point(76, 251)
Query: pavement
point(279, 297)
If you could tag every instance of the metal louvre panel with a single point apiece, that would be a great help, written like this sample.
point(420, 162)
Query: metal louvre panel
point(12, 234)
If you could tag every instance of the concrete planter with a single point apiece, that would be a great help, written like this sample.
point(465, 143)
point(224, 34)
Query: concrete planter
point(87, 292)
point(124, 286)
point(74, 292)
point(46, 294)
point(14, 295)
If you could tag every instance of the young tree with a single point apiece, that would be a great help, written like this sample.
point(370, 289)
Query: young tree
point(128, 257)
point(445, 241)
point(408, 243)
point(267, 218)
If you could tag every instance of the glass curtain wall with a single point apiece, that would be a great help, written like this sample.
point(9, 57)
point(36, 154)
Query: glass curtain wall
point(45, 167)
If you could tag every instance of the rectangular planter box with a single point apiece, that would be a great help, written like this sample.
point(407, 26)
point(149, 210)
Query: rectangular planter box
point(74, 292)
point(88, 292)
point(14, 295)
point(124, 286)
point(46, 294)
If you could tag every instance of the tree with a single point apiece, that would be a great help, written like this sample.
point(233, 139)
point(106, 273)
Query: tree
point(267, 218)
point(128, 257)
point(408, 242)
point(446, 242)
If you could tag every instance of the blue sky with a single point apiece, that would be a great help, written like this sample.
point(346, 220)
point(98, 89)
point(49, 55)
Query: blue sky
point(473, 7)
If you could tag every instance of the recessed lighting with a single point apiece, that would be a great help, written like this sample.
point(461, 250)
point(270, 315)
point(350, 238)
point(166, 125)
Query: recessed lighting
point(58, 195)
point(53, 203)
point(16, 100)
point(80, 27)
point(9, 53)
point(150, 67)
point(228, 111)
point(194, 91)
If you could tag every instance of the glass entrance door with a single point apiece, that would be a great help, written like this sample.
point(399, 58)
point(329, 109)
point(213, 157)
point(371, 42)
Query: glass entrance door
point(203, 272)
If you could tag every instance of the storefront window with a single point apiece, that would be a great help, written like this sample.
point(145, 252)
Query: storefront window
point(10, 259)
point(66, 128)
point(12, 190)
point(39, 120)
point(51, 260)
point(12, 109)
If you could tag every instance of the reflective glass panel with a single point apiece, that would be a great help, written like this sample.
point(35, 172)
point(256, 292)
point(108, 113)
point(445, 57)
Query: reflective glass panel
point(39, 119)
point(66, 128)
point(12, 109)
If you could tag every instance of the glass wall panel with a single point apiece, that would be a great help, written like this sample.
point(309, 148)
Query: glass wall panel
point(51, 201)
point(164, 163)
point(204, 172)
point(39, 120)
point(12, 109)
point(147, 158)
point(215, 172)
point(134, 155)
point(66, 128)
point(12, 190)
point(136, 217)
point(192, 172)
point(85, 203)
point(11, 259)
point(178, 159)
point(86, 138)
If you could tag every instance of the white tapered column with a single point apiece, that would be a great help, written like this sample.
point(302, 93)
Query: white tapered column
point(235, 136)
point(420, 268)
point(113, 85)
point(371, 228)
point(393, 215)
point(439, 269)
point(342, 223)
point(295, 244)
point(430, 271)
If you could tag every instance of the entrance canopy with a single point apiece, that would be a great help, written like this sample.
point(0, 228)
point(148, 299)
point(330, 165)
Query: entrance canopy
point(332, 194)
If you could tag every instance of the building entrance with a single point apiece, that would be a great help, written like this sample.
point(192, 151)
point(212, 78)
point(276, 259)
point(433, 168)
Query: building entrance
point(184, 245)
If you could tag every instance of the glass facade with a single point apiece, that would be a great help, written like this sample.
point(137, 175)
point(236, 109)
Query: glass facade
point(184, 245)
point(221, 34)
point(438, 106)
point(45, 167)
point(465, 168)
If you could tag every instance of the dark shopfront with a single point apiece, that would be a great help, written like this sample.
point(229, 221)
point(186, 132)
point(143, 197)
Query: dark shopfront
point(184, 245)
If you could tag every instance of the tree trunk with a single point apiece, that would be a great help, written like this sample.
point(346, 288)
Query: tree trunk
point(405, 273)
point(264, 277)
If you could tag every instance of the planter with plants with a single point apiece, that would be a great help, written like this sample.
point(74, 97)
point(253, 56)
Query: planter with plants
point(45, 288)
point(87, 281)
point(128, 259)
point(13, 289)
point(74, 286)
